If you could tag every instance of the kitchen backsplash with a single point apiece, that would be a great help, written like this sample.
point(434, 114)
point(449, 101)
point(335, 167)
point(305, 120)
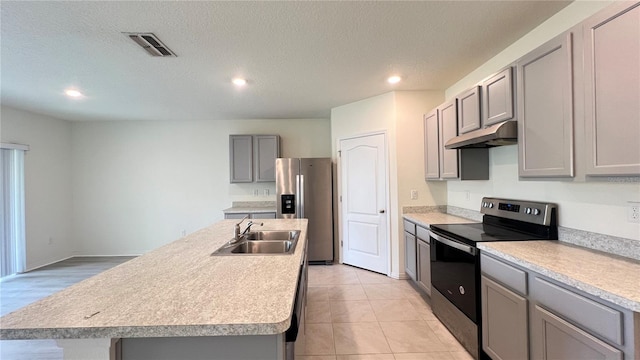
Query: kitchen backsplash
point(628, 248)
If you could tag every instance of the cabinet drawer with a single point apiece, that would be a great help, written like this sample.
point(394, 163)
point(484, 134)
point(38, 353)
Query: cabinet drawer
point(422, 233)
point(235, 215)
point(409, 227)
point(597, 318)
point(269, 215)
point(508, 275)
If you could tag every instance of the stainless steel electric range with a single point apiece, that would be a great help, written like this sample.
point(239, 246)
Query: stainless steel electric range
point(455, 260)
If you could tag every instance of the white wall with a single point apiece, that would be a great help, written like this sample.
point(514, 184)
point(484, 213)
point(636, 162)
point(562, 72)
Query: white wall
point(596, 206)
point(138, 185)
point(48, 190)
point(410, 108)
point(399, 115)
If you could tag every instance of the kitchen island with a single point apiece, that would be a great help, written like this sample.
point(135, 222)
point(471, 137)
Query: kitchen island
point(178, 295)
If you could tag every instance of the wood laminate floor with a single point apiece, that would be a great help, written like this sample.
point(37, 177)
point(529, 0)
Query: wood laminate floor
point(23, 289)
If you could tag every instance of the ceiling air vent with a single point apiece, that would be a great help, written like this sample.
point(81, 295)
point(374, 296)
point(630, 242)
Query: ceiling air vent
point(151, 43)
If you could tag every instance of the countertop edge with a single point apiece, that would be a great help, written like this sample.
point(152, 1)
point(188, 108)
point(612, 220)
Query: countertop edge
point(565, 279)
point(145, 331)
point(249, 210)
point(419, 218)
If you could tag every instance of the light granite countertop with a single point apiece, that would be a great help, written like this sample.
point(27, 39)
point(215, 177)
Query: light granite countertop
point(251, 207)
point(175, 290)
point(249, 210)
point(427, 219)
point(609, 277)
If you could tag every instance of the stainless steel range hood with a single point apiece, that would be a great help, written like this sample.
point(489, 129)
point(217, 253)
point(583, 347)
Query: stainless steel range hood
point(505, 133)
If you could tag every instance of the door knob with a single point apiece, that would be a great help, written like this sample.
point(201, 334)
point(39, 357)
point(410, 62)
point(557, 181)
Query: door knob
point(381, 211)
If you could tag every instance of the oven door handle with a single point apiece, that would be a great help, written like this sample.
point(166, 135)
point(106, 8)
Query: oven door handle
point(454, 244)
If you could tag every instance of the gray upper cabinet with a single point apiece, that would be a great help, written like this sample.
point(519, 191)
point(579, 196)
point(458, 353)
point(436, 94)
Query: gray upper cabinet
point(431, 146)
point(469, 113)
point(448, 123)
point(498, 98)
point(440, 126)
point(253, 157)
point(612, 90)
point(545, 110)
point(267, 149)
point(241, 158)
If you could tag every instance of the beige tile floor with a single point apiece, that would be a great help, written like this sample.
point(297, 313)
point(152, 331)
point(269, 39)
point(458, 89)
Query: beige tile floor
point(354, 314)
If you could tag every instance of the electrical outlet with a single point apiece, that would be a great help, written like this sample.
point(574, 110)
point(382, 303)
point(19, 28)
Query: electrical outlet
point(633, 212)
point(183, 232)
point(265, 192)
point(467, 195)
point(414, 194)
point(255, 192)
point(50, 240)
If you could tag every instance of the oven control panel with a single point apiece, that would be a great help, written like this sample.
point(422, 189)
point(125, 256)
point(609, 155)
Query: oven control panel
point(529, 211)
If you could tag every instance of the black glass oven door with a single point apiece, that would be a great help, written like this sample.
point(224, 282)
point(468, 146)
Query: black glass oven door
point(453, 273)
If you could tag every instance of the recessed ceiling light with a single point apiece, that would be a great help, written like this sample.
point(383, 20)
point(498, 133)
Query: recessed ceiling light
point(394, 79)
point(239, 81)
point(73, 93)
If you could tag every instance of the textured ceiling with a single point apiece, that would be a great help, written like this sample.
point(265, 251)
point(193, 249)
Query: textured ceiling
point(301, 58)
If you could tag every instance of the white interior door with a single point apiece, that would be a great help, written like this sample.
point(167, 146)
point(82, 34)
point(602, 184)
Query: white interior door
point(363, 182)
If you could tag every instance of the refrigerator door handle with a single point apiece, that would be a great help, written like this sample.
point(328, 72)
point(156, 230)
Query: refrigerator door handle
point(301, 200)
point(297, 196)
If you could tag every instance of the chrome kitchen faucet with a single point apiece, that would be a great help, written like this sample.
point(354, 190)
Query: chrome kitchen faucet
point(237, 234)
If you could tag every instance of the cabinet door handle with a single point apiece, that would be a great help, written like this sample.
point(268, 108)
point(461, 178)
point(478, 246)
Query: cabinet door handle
point(381, 211)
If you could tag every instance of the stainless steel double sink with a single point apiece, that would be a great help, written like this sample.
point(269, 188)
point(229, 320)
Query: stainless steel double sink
point(261, 243)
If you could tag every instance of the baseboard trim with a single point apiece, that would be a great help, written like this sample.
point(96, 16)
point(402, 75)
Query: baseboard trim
point(399, 276)
point(71, 257)
point(47, 264)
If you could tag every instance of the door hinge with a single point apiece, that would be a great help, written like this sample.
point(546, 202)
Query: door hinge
point(340, 198)
point(339, 153)
point(341, 243)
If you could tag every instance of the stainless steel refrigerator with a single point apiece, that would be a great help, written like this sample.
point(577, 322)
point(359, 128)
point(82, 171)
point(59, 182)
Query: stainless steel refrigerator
point(304, 188)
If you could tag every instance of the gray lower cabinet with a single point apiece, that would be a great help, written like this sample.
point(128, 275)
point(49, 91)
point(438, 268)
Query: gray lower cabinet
point(236, 215)
point(556, 338)
point(527, 315)
point(410, 264)
point(612, 90)
point(253, 158)
point(498, 98)
point(417, 255)
point(505, 327)
point(545, 110)
point(410, 255)
point(424, 265)
point(270, 215)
